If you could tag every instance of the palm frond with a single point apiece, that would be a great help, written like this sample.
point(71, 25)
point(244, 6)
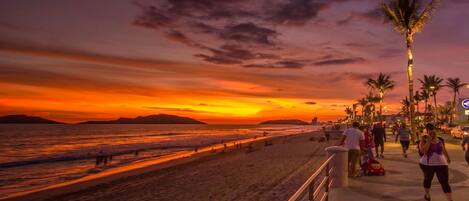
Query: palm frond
point(425, 16)
point(395, 19)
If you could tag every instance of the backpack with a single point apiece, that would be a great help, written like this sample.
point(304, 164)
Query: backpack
point(418, 146)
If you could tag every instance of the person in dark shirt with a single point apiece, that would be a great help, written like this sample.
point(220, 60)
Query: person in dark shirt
point(379, 136)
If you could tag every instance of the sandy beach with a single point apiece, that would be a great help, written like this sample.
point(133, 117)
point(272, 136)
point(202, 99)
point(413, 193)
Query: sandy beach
point(264, 173)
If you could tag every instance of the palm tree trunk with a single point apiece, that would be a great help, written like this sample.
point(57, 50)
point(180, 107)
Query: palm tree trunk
point(453, 109)
point(436, 108)
point(381, 95)
point(410, 64)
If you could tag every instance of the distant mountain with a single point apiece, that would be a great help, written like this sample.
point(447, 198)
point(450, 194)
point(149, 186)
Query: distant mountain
point(152, 119)
point(286, 121)
point(23, 119)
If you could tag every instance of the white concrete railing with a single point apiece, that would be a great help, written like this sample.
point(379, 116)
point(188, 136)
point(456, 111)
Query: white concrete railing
point(332, 173)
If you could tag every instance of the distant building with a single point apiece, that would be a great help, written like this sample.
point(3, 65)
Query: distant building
point(314, 121)
point(394, 117)
point(462, 110)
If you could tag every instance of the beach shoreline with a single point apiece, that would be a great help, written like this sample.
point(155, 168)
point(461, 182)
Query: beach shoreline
point(136, 169)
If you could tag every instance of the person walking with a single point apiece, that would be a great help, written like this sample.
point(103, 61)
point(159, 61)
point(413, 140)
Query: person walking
point(379, 136)
point(465, 141)
point(369, 142)
point(435, 160)
point(353, 140)
point(403, 134)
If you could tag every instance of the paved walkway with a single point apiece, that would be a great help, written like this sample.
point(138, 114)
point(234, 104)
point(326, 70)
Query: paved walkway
point(403, 180)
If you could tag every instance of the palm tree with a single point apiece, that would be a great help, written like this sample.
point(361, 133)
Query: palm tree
point(425, 96)
point(373, 100)
point(433, 84)
point(363, 102)
point(382, 84)
point(446, 112)
point(349, 113)
point(417, 99)
point(408, 19)
point(455, 85)
point(354, 107)
point(405, 107)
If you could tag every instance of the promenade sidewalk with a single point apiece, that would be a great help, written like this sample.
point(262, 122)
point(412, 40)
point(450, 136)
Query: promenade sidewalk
point(403, 180)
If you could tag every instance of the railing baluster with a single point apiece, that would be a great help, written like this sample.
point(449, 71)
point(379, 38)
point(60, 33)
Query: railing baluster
point(312, 189)
point(328, 176)
point(323, 174)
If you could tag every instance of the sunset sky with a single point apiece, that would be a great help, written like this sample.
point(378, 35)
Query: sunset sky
point(224, 61)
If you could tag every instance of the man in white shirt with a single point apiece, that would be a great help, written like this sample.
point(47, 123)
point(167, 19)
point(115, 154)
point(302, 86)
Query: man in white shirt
point(353, 140)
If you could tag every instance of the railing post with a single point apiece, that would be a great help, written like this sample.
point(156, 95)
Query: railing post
point(328, 181)
point(340, 164)
point(311, 190)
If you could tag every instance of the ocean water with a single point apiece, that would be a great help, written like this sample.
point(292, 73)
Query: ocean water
point(36, 156)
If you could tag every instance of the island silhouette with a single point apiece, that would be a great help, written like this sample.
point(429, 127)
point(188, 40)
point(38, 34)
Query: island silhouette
point(151, 119)
point(24, 119)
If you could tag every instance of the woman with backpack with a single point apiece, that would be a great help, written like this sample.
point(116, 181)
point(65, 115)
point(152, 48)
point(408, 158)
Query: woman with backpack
point(434, 160)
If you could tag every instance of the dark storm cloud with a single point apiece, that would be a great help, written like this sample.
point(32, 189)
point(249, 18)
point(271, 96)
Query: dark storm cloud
point(233, 42)
point(292, 64)
point(372, 16)
point(360, 45)
point(249, 33)
point(238, 31)
point(182, 38)
point(153, 18)
point(233, 54)
point(218, 59)
point(295, 12)
point(340, 61)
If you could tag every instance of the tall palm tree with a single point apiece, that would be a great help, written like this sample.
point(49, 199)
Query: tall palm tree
point(382, 84)
point(408, 19)
point(433, 84)
point(455, 85)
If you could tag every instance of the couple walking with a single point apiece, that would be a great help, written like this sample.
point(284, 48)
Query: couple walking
point(434, 157)
point(359, 141)
point(379, 138)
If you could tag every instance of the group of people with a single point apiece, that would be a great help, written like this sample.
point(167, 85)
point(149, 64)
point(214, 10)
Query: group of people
point(434, 158)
